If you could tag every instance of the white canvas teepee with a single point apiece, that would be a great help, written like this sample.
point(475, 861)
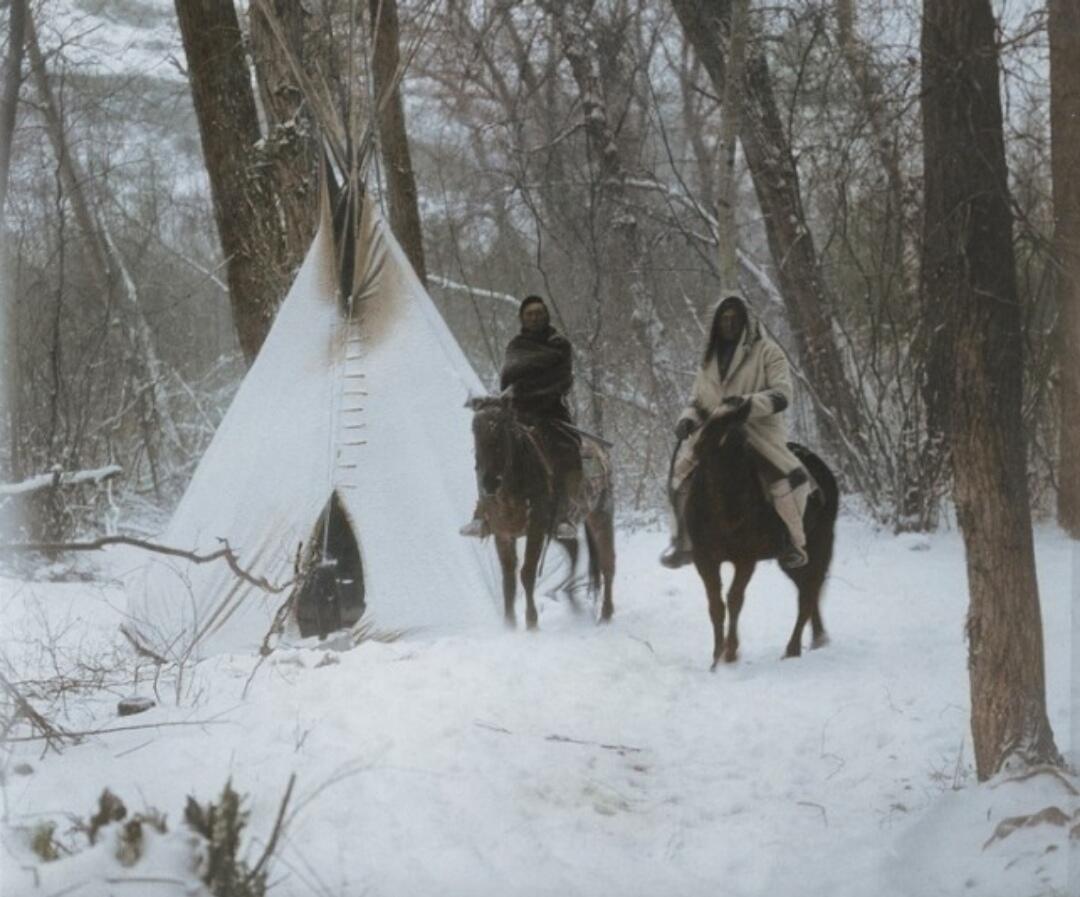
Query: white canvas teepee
point(363, 403)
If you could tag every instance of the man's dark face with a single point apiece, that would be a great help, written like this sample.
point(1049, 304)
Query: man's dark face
point(534, 317)
point(730, 324)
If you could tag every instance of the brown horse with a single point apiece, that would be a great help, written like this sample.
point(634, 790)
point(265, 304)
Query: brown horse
point(517, 498)
point(729, 518)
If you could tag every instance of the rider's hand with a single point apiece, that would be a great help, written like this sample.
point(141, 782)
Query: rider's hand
point(736, 408)
point(684, 427)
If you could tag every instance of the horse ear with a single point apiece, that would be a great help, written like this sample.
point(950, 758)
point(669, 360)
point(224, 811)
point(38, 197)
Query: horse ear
point(473, 402)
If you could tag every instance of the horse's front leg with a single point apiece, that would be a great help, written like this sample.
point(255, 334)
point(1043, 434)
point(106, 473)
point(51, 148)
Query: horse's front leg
point(506, 546)
point(708, 569)
point(534, 544)
point(743, 571)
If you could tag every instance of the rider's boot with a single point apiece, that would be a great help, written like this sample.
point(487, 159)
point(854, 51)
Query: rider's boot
point(680, 552)
point(476, 528)
point(790, 504)
point(567, 508)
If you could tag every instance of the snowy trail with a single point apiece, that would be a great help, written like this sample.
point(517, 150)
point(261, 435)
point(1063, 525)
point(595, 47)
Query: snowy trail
point(600, 760)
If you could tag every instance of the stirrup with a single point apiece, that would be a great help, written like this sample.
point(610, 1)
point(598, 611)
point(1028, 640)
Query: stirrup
point(674, 557)
point(793, 557)
point(476, 528)
point(564, 529)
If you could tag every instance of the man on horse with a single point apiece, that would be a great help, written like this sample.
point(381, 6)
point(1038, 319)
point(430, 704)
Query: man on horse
point(744, 375)
point(538, 373)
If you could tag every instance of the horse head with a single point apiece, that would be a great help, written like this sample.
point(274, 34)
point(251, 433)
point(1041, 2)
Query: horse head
point(723, 456)
point(493, 425)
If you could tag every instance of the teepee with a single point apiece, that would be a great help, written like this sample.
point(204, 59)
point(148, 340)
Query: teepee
point(343, 466)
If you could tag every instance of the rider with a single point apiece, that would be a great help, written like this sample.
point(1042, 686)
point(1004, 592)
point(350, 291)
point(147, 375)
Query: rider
point(744, 375)
point(538, 373)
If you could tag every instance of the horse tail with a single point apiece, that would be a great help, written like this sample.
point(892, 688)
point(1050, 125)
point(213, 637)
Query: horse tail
point(594, 562)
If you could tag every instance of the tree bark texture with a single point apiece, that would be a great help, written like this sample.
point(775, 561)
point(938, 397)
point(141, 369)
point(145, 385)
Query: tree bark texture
point(731, 109)
point(290, 151)
point(250, 226)
point(776, 182)
point(9, 97)
point(969, 273)
point(393, 137)
point(1064, 28)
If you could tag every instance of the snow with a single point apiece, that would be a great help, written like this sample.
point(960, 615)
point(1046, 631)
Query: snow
point(584, 759)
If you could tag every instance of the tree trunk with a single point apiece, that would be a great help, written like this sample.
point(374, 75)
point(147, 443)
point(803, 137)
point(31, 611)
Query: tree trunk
point(9, 99)
point(731, 108)
point(290, 151)
point(1064, 28)
point(250, 226)
point(393, 137)
point(969, 271)
point(776, 183)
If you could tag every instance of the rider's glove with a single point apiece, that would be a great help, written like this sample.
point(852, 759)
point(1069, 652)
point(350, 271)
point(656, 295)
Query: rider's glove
point(684, 427)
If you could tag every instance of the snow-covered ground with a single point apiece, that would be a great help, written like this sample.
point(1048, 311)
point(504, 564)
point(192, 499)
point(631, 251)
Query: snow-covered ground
point(580, 759)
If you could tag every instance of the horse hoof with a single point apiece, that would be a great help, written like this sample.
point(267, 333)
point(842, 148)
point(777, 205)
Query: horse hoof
point(510, 622)
point(792, 652)
point(606, 615)
point(819, 641)
point(731, 656)
point(715, 664)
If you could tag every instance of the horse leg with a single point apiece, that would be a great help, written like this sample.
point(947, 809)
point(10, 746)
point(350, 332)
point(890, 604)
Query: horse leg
point(819, 638)
point(534, 544)
point(709, 571)
point(794, 645)
point(569, 584)
point(506, 547)
point(601, 529)
point(743, 571)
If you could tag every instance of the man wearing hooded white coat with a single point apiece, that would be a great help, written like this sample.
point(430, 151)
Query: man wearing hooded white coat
point(744, 375)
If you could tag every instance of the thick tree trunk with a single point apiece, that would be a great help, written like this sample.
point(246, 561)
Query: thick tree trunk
point(9, 97)
point(969, 271)
point(290, 151)
point(393, 137)
point(776, 183)
point(1064, 27)
point(250, 226)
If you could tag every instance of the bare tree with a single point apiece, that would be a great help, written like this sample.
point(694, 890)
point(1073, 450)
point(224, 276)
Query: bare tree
point(393, 136)
point(110, 272)
point(772, 168)
point(249, 225)
point(289, 150)
point(623, 253)
point(9, 91)
point(1064, 27)
point(731, 108)
point(968, 269)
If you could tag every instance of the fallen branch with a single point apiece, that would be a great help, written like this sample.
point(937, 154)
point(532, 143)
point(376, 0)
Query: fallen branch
point(621, 748)
point(278, 826)
point(50, 732)
point(87, 733)
point(57, 477)
point(225, 553)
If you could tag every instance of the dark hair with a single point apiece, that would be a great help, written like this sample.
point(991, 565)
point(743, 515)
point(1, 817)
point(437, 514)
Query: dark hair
point(531, 299)
point(712, 348)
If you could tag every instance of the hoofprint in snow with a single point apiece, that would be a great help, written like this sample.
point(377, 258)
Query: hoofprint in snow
point(579, 759)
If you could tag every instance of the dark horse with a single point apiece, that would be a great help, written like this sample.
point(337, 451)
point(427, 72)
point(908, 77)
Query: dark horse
point(517, 496)
point(729, 518)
